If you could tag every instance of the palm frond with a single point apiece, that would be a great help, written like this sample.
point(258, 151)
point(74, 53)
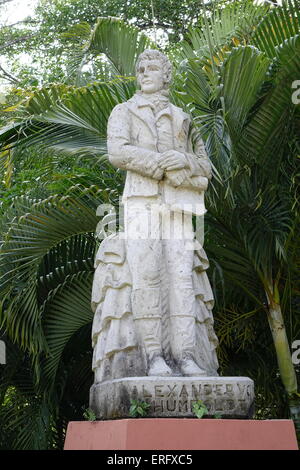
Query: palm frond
point(203, 102)
point(226, 247)
point(229, 26)
point(26, 424)
point(79, 35)
point(65, 311)
point(38, 228)
point(74, 121)
point(120, 42)
point(279, 24)
point(267, 130)
point(239, 93)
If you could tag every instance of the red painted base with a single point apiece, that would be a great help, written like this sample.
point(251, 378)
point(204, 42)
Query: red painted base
point(181, 434)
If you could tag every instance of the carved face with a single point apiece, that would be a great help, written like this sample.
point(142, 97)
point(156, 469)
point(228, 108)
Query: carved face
point(150, 76)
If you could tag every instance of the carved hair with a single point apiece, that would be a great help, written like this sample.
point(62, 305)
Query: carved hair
point(153, 54)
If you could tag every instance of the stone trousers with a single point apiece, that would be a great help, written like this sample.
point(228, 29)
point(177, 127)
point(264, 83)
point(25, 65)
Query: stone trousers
point(160, 256)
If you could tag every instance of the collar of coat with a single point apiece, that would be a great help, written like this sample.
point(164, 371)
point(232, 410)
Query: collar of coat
point(142, 108)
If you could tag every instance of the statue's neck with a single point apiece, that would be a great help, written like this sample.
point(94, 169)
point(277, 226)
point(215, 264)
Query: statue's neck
point(158, 100)
point(162, 94)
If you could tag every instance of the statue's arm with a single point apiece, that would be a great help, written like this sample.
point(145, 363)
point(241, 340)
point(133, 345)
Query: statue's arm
point(122, 153)
point(198, 172)
point(197, 156)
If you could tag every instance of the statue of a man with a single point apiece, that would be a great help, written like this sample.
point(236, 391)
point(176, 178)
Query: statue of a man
point(166, 178)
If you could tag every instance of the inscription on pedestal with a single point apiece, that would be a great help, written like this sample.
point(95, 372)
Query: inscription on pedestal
point(175, 396)
point(181, 398)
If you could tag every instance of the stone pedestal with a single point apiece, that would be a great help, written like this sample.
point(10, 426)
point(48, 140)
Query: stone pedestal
point(181, 434)
point(173, 397)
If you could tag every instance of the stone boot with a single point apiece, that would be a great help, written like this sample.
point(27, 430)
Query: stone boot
point(188, 366)
point(158, 366)
point(183, 331)
point(149, 332)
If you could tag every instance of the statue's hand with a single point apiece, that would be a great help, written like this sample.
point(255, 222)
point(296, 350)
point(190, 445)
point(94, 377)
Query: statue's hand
point(158, 174)
point(176, 178)
point(173, 160)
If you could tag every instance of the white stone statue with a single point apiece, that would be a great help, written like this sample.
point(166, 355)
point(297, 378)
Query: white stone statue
point(151, 295)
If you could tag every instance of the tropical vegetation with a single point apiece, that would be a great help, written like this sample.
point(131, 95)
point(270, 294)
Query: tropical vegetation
point(233, 72)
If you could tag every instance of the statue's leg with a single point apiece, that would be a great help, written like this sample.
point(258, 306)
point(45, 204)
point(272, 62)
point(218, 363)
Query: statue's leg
point(144, 258)
point(182, 301)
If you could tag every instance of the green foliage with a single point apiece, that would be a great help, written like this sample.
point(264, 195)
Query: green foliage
point(238, 91)
point(280, 24)
point(89, 415)
point(249, 128)
point(171, 16)
point(25, 422)
point(224, 28)
point(200, 409)
point(121, 43)
point(74, 119)
point(138, 408)
point(50, 37)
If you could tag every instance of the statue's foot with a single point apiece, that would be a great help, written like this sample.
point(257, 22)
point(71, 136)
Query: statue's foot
point(189, 368)
point(159, 367)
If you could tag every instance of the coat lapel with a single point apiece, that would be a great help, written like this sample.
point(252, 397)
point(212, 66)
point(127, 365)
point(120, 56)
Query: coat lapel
point(180, 120)
point(141, 109)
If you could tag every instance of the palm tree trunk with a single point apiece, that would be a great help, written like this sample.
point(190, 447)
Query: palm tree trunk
point(284, 358)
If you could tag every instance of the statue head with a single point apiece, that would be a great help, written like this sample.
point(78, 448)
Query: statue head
point(153, 71)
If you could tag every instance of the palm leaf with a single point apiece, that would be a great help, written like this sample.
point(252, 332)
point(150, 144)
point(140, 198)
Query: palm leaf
point(106, 51)
point(79, 35)
point(226, 26)
point(121, 43)
point(65, 311)
point(30, 238)
point(227, 247)
point(241, 94)
point(74, 122)
point(279, 24)
point(27, 424)
point(203, 101)
point(268, 129)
